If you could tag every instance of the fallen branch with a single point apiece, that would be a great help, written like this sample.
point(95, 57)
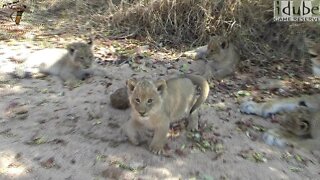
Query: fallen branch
point(10, 8)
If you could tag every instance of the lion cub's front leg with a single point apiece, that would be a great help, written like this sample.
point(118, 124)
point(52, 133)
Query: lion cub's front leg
point(73, 78)
point(271, 107)
point(159, 139)
point(281, 138)
point(131, 129)
point(251, 107)
point(276, 137)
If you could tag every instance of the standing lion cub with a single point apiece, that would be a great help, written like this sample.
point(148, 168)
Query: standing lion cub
point(68, 64)
point(154, 105)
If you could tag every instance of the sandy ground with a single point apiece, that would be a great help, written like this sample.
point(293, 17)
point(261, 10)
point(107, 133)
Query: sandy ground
point(48, 131)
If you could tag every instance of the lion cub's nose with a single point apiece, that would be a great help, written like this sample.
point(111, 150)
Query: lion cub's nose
point(142, 113)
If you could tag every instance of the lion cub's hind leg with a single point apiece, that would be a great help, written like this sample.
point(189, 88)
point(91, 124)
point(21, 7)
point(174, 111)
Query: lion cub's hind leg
point(275, 137)
point(193, 121)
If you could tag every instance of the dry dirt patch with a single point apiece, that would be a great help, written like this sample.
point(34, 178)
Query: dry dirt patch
point(49, 131)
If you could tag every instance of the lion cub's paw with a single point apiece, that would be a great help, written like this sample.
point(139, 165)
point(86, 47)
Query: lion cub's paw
point(273, 138)
point(192, 124)
point(133, 140)
point(248, 107)
point(132, 137)
point(130, 133)
point(72, 84)
point(192, 129)
point(162, 151)
point(156, 149)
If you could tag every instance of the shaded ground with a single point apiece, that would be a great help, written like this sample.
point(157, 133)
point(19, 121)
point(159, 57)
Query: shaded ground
point(48, 131)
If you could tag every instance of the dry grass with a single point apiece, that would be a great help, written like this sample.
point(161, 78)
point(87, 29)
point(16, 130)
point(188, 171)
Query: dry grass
point(248, 23)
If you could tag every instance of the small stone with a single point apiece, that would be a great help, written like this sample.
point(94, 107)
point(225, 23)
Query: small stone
point(21, 110)
point(119, 99)
point(73, 161)
point(49, 163)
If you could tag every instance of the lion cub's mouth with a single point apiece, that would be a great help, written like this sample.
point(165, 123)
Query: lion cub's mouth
point(145, 120)
point(144, 115)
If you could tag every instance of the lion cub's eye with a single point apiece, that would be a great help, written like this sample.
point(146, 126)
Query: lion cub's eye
point(149, 101)
point(313, 55)
point(137, 100)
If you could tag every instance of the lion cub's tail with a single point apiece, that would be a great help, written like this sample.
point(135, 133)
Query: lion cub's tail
point(203, 84)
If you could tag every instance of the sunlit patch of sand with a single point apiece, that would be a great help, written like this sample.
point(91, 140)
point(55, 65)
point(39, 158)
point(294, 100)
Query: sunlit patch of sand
point(10, 166)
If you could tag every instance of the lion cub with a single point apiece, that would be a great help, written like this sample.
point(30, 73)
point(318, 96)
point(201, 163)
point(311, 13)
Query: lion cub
point(300, 120)
point(275, 106)
point(301, 128)
point(289, 104)
point(68, 64)
point(222, 59)
point(154, 105)
point(314, 51)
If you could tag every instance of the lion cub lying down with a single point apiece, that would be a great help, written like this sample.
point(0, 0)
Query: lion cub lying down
point(314, 51)
point(68, 64)
point(222, 58)
point(154, 105)
point(299, 121)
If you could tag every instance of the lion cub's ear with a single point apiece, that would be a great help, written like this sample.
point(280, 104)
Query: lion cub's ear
point(212, 41)
point(161, 85)
point(131, 83)
point(90, 41)
point(72, 51)
point(224, 44)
